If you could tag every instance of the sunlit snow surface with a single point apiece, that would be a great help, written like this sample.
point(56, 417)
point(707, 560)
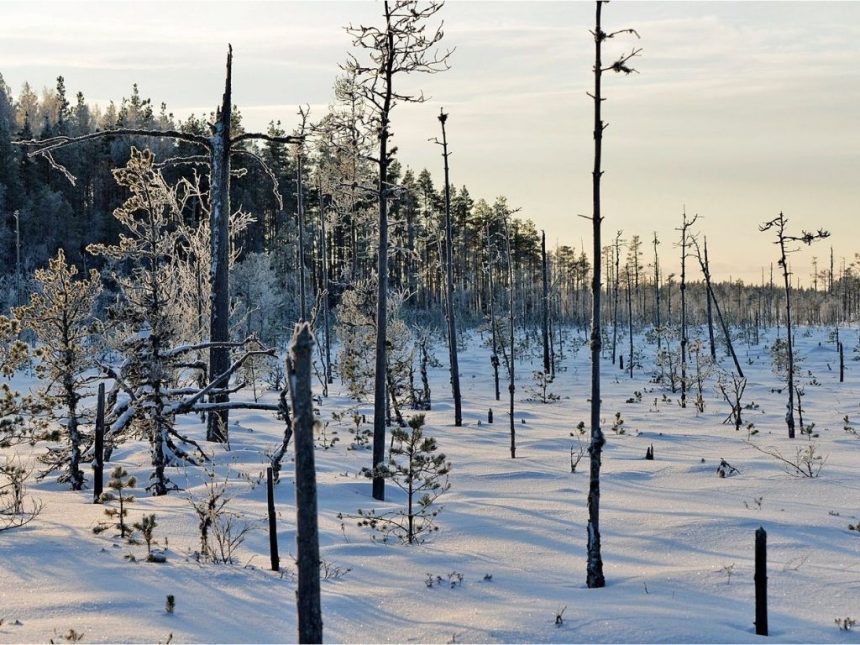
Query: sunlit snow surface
point(670, 526)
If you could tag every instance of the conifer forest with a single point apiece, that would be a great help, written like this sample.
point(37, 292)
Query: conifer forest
point(269, 379)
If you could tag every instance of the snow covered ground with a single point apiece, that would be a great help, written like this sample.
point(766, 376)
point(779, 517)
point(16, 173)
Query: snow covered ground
point(677, 539)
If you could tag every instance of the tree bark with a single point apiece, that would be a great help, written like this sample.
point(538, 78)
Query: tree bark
point(219, 323)
point(307, 534)
point(594, 567)
point(449, 286)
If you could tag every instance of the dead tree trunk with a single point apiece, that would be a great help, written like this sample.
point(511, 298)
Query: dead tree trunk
point(629, 320)
point(449, 286)
point(219, 327)
point(307, 534)
point(615, 288)
point(657, 294)
point(685, 225)
point(713, 346)
point(807, 238)
point(494, 359)
point(712, 297)
point(594, 566)
point(545, 309)
point(511, 352)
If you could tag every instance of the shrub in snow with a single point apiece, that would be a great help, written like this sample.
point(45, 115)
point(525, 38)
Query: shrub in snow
point(222, 531)
point(14, 512)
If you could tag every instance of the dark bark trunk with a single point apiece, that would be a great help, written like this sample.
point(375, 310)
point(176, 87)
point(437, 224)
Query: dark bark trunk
point(545, 307)
point(219, 327)
point(379, 400)
point(449, 286)
point(307, 535)
point(594, 567)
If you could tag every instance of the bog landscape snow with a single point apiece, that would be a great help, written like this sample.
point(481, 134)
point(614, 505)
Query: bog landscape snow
point(678, 539)
point(264, 382)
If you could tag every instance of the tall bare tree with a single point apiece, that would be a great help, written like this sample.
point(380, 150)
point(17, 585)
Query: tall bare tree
point(785, 243)
point(594, 568)
point(449, 283)
point(685, 241)
point(402, 45)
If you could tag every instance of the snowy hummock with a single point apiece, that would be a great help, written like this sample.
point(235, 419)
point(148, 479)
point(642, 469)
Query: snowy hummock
point(672, 530)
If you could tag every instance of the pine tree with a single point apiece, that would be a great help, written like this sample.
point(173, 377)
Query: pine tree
point(422, 474)
point(120, 481)
point(61, 317)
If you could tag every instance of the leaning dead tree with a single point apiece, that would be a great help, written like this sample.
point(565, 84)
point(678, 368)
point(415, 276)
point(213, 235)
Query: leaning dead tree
point(712, 297)
point(784, 240)
point(402, 45)
point(218, 149)
point(594, 577)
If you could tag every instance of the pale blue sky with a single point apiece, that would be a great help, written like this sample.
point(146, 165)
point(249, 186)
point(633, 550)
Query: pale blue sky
point(741, 109)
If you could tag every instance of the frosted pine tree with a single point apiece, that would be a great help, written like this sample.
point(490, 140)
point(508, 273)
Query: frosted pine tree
point(145, 313)
point(61, 316)
point(160, 377)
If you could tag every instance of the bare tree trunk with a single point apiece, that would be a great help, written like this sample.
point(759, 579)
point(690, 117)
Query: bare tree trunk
point(713, 346)
point(683, 287)
point(512, 352)
point(783, 261)
point(303, 307)
point(545, 310)
point(494, 359)
point(307, 534)
point(219, 328)
point(380, 399)
point(629, 320)
point(449, 286)
point(657, 294)
point(594, 567)
point(712, 297)
point(326, 287)
point(616, 280)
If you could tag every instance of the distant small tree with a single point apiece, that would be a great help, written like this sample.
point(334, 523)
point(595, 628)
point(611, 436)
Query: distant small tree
point(61, 316)
point(785, 243)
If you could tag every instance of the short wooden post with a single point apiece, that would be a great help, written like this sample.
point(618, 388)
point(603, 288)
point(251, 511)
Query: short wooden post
point(841, 364)
point(307, 532)
point(99, 457)
point(490, 415)
point(761, 582)
point(273, 523)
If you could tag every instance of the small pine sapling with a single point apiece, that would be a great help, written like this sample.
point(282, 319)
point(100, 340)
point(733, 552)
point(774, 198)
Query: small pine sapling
point(146, 526)
point(422, 475)
point(120, 481)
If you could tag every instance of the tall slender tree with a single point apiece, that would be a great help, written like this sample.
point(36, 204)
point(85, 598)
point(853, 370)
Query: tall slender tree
point(594, 567)
point(784, 241)
point(402, 45)
point(449, 283)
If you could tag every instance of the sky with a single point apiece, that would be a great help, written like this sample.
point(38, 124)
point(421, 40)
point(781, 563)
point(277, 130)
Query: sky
point(739, 110)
